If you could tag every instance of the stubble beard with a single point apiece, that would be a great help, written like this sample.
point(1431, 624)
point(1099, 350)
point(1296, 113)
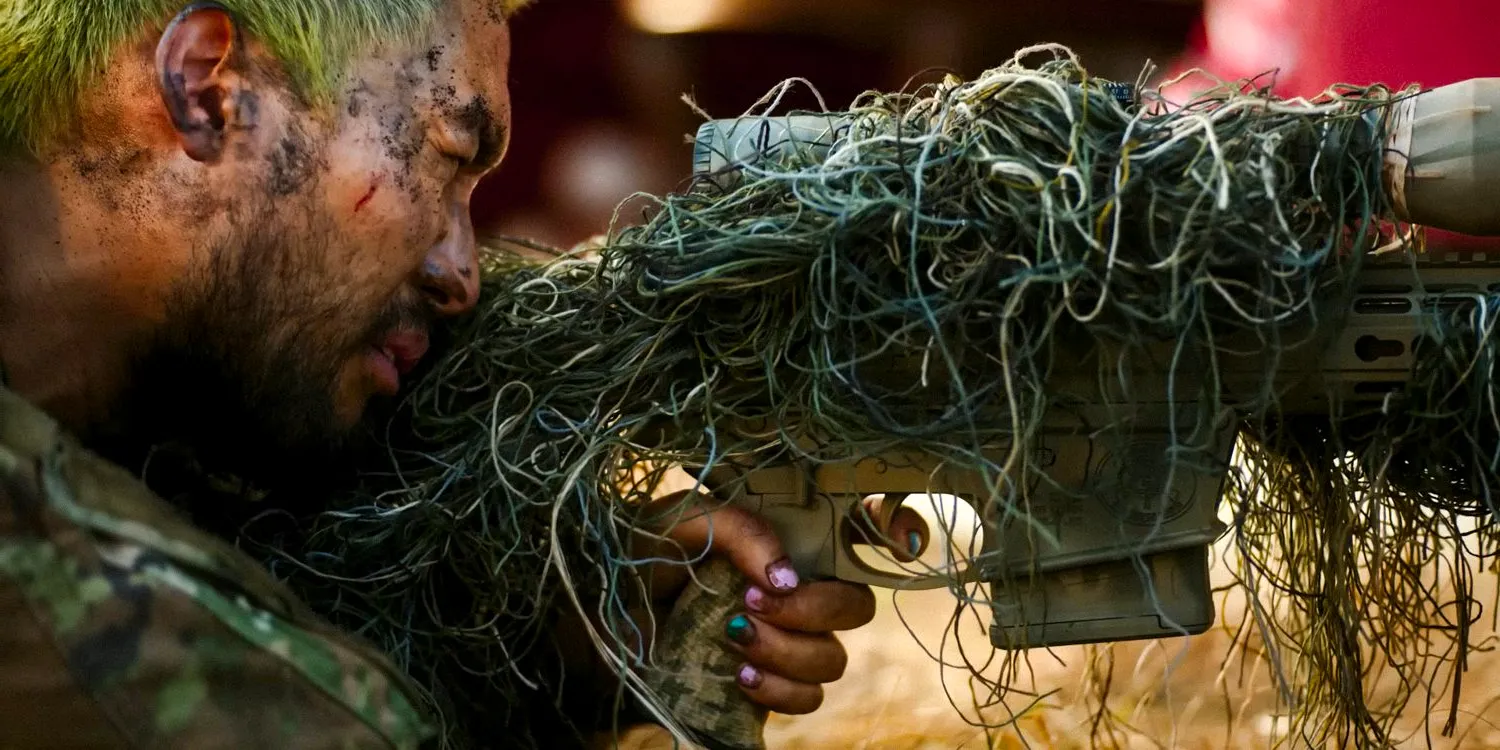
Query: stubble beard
point(242, 375)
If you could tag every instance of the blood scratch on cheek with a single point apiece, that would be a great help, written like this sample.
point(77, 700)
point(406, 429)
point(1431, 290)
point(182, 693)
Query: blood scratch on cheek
point(374, 185)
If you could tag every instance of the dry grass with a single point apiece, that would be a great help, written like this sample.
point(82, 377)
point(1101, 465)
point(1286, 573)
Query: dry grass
point(1176, 691)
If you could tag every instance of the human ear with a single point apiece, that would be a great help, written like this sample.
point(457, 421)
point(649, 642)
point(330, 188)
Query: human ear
point(199, 73)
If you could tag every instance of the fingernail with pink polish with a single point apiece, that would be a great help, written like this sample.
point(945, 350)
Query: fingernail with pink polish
point(783, 577)
point(756, 600)
point(750, 677)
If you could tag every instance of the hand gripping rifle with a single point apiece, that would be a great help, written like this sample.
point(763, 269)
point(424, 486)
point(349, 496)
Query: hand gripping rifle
point(1115, 545)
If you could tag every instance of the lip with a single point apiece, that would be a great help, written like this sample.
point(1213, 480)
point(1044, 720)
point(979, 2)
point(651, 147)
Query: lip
point(394, 355)
point(405, 348)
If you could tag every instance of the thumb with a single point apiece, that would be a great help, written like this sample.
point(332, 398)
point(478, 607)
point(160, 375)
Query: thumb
point(747, 540)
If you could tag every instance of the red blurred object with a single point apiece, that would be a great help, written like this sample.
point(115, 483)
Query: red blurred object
point(1312, 44)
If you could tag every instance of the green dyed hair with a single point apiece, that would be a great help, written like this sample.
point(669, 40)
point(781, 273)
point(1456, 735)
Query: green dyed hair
point(49, 49)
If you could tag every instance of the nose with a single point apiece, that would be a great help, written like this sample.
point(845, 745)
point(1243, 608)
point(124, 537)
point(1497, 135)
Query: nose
point(449, 276)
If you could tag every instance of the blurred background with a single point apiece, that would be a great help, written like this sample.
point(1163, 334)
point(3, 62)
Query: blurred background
point(598, 87)
point(598, 84)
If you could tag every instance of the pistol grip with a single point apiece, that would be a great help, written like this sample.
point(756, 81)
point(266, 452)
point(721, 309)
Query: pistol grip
point(696, 669)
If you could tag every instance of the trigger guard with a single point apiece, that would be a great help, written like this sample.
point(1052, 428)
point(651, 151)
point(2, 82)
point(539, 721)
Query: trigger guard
point(848, 567)
point(812, 527)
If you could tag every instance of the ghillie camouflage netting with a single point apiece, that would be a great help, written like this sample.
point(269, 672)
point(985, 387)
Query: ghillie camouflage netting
point(927, 281)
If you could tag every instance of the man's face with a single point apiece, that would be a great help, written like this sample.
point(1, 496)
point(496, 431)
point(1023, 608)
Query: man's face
point(338, 243)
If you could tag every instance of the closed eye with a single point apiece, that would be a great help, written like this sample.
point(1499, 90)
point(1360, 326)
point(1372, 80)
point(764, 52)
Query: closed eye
point(476, 150)
point(458, 157)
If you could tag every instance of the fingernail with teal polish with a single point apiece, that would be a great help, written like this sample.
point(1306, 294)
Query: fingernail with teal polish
point(781, 574)
point(750, 677)
point(914, 543)
point(740, 630)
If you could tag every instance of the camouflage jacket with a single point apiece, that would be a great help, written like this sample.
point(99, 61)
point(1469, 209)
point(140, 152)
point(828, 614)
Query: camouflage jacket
point(121, 625)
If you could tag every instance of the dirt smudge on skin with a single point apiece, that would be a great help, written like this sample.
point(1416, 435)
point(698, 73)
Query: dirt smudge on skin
point(477, 116)
point(401, 132)
point(292, 163)
point(106, 171)
point(403, 141)
point(247, 104)
point(408, 79)
point(115, 163)
point(356, 98)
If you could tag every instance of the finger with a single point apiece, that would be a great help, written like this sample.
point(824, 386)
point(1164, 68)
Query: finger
point(778, 693)
point(817, 607)
point(905, 535)
point(802, 657)
point(908, 535)
point(648, 542)
point(746, 539)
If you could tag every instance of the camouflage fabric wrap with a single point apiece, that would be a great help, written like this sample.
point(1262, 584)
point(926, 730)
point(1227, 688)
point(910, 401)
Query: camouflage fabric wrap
point(694, 674)
point(123, 626)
